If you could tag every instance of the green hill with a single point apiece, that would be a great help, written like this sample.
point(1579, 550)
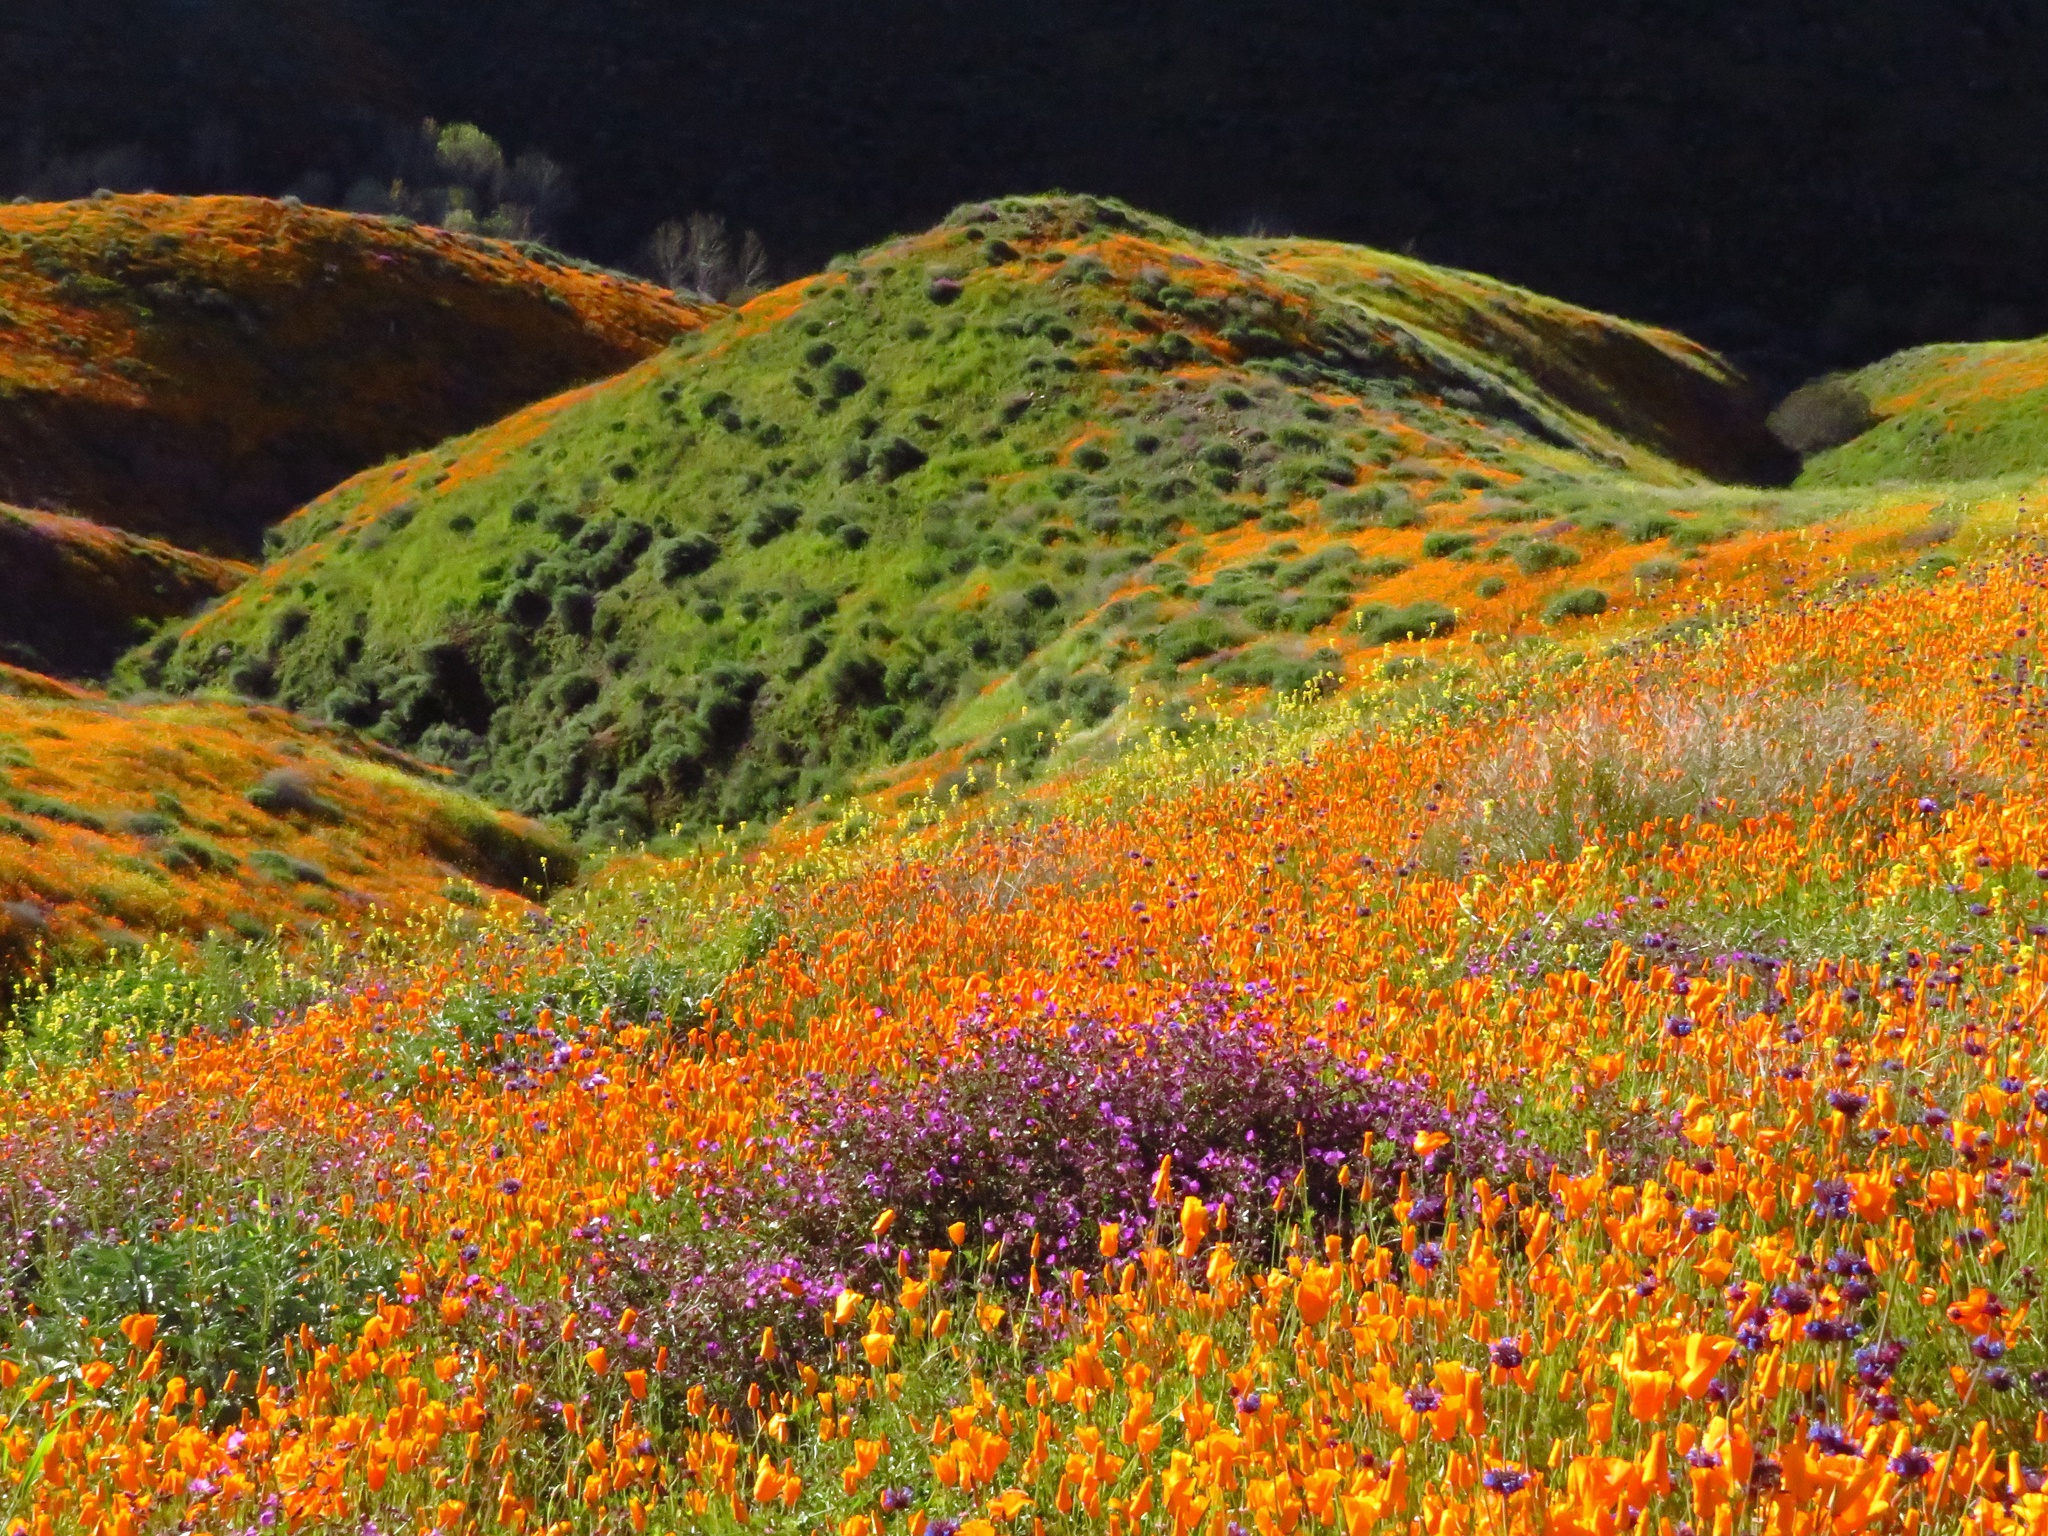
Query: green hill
point(962, 489)
point(1966, 411)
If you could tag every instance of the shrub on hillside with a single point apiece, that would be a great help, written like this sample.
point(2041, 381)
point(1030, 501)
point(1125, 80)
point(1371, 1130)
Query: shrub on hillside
point(1382, 625)
point(288, 792)
point(1534, 559)
point(1443, 544)
point(1041, 1132)
point(1822, 415)
point(1599, 770)
point(1579, 603)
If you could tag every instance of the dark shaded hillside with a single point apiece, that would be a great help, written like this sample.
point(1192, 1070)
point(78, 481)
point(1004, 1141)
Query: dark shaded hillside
point(1803, 185)
point(195, 367)
point(75, 594)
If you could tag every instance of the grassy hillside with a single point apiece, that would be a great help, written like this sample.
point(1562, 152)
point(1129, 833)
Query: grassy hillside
point(1658, 389)
point(121, 823)
point(196, 367)
point(1970, 411)
point(971, 487)
point(75, 594)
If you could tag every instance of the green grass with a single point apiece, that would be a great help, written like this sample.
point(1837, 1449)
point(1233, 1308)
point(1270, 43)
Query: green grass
point(1970, 411)
point(811, 540)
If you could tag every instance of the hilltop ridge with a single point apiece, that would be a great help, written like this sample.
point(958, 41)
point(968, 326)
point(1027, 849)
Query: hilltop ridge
point(193, 368)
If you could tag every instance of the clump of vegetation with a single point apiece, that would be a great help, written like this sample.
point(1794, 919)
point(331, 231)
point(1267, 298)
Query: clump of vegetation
point(1578, 603)
point(1822, 415)
point(458, 177)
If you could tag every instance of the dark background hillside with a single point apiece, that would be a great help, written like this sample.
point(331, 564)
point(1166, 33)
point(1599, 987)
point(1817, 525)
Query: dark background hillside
point(1805, 185)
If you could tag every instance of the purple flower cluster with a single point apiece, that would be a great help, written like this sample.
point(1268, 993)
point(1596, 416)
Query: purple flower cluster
point(1042, 1131)
point(1030, 1131)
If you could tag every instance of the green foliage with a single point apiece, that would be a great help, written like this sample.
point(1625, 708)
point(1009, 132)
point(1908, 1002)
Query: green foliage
point(1444, 544)
point(1535, 558)
point(1274, 667)
point(1418, 621)
point(789, 551)
point(286, 792)
point(1579, 603)
point(226, 1298)
point(1197, 635)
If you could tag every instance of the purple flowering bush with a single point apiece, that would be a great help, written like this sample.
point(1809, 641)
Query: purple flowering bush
point(1040, 1130)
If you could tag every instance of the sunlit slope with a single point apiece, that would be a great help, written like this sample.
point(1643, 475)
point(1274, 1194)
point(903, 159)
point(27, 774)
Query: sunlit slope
point(1654, 387)
point(195, 367)
point(120, 823)
point(1968, 411)
point(1053, 444)
point(75, 594)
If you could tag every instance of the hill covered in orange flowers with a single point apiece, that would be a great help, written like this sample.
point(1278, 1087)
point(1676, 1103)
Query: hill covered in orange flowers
point(1967, 411)
point(193, 368)
point(121, 824)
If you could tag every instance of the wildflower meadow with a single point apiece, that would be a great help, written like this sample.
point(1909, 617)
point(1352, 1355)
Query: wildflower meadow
point(1547, 1090)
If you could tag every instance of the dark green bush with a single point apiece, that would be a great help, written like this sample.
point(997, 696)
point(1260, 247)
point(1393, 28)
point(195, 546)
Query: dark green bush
point(1443, 544)
point(1534, 559)
point(1091, 697)
point(1195, 636)
point(49, 808)
point(288, 792)
point(283, 866)
point(1418, 621)
point(576, 690)
point(898, 457)
point(525, 605)
point(1268, 666)
point(772, 522)
point(858, 679)
point(692, 554)
point(1579, 603)
point(575, 607)
point(1648, 527)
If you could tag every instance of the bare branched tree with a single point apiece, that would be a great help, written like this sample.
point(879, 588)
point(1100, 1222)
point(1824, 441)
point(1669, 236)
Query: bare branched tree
point(696, 253)
point(753, 264)
point(710, 255)
point(668, 253)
